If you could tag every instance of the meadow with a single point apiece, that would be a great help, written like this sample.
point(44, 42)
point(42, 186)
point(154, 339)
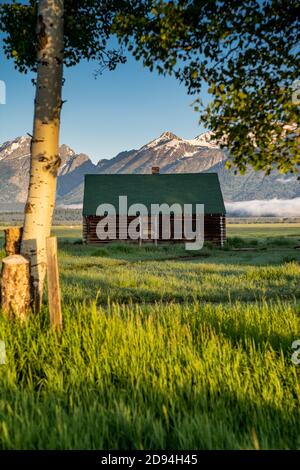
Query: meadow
point(161, 348)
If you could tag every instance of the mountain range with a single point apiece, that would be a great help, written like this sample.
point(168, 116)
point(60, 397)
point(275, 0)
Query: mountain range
point(170, 152)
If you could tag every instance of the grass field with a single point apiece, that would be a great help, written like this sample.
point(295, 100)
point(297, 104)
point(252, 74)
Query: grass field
point(161, 348)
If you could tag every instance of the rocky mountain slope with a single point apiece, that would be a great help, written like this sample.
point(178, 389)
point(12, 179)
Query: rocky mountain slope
point(170, 152)
point(176, 155)
point(14, 171)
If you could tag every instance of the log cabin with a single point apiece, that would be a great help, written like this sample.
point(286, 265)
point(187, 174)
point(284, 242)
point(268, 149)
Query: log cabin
point(149, 189)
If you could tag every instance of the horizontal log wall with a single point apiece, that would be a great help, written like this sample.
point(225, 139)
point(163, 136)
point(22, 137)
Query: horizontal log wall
point(214, 229)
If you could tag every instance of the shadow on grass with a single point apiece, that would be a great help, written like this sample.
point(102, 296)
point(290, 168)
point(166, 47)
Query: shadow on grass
point(237, 250)
point(111, 381)
point(85, 287)
point(123, 415)
point(260, 334)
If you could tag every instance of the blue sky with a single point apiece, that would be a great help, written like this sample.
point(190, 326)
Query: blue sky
point(119, 110)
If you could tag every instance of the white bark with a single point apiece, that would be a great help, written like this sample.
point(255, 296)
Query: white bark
point(45, 160)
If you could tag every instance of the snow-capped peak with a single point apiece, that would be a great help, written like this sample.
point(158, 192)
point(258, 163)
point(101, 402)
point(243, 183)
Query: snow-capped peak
point(163, 138)
point(14, 148)
point(168, 136)
point(206, 139)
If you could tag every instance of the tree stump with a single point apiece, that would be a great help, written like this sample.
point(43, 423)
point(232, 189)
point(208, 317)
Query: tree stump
point(15, 287)
point(13, 238)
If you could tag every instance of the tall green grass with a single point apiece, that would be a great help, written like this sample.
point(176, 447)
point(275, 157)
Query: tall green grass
point(158, 376)
point(165, 281)
point(159, 352)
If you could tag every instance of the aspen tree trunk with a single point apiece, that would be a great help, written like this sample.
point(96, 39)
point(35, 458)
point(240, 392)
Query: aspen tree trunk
point(45, 160)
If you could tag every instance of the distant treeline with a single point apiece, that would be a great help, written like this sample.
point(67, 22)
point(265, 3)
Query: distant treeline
point(263, 220)
point(61, 217)
point(74, 217)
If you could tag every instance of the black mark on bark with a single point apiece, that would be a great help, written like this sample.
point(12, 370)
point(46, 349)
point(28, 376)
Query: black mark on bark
point(42, 38)
point(28, 208)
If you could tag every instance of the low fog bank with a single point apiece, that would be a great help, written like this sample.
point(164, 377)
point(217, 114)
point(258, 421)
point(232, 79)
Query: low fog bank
point(266, 208)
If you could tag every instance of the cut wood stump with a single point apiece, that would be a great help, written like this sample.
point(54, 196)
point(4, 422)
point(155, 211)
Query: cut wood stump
point(13, 238)
point(54, 297)
point(15, 287)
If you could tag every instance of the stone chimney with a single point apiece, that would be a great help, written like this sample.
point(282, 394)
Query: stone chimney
point(155, 170)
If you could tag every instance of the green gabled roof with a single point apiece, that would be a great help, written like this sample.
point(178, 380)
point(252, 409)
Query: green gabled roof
point(182, 188)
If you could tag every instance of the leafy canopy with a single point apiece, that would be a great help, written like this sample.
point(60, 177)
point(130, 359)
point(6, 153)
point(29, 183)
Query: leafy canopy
point(246, 52)
point(87, 29)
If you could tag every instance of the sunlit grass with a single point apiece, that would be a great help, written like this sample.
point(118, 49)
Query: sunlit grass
point(159, 351)
point(160, 376)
